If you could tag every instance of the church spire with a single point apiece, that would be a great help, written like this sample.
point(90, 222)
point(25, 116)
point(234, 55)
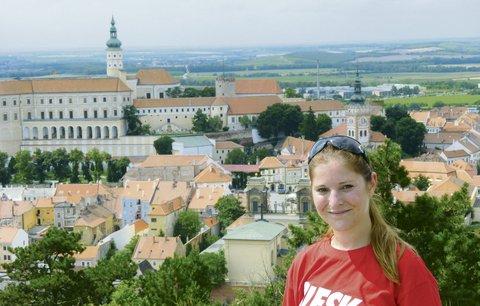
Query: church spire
point(357, 96)
point(113, 42)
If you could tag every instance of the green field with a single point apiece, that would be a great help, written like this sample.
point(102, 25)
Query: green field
point(430, 100)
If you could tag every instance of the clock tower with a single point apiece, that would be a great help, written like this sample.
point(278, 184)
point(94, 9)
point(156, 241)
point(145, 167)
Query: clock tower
point(114, 53)
point(358, 115)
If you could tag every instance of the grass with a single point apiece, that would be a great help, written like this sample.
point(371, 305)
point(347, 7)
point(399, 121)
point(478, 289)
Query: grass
point(430, 100)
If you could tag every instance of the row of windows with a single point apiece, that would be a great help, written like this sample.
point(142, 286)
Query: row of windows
point(5, 116)
point(68, 100)
point(60, 115)
point(177, 110)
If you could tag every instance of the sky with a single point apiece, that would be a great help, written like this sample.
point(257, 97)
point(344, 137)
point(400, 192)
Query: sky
point(33, 25)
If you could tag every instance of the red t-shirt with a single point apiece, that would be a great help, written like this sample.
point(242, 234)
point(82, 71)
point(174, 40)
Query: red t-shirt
point(322, 275)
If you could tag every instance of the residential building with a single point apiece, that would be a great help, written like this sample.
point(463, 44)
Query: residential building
point(435, 171)
point(136, 200)
point(155, 250)
point(44, 211)
point(19, 214)
point(222, 148)
point(88, 257)
point(11, 237)
point(251, 253)
point(94, 223)
point(162, 217)
point(205, 199)
point(214, 176)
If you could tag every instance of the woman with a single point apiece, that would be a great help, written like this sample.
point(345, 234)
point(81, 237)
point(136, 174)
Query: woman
point(361, 260)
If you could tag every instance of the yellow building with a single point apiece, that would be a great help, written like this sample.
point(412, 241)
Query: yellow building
point(44, 211)
point(94, 224)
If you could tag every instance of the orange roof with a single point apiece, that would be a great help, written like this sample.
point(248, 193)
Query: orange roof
point(89, 220)
point(169, 190)
point(167, 207)
point(453, 127)
point(426, 167)
point(407, 196)
point(455, 153)
point(297, 145)
point(173, 160)
point(213, 174)
point(142, 190)
point(420, 116)
point(155, 77)
point(140, 225)
point(227, 145)
point(436, 122)
point(247, 105)
point(206, 196)
point(7, 234)
point(461, 164)
point(19, 208)
point(174, 102)
point(90, 253)
point(257, 86)
point(156, 247)
point(320, 105)
point(446, 186)
point(73, 193)
point(340, 129)
point(241, 168)
point(270, 162)
point(38, 86)
point(44, 202)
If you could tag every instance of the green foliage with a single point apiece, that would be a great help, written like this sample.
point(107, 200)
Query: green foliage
point(422, 182)
point(277, 118)
point(41, 163)
point(229, 209)
point(24, 168)
point(130, 115)
point(386, 162)
point(308, 126)
point(117, 169)
point(377, 123)
point(45, 272)
point(187, 225)
point(259, 154)
point(203, 123)
point(4, 172)
point(291, 93)
point(59, 161)
point(236, 157)
point(324, 123)
point(97, 158)
point(410, 135)
point(163, 145)
point(76, 157)
point(245, 121)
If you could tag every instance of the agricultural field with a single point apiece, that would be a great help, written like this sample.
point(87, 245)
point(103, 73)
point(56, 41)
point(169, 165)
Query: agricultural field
point(428, 101)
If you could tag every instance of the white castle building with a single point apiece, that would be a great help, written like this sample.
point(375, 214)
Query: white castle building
point(82, 113)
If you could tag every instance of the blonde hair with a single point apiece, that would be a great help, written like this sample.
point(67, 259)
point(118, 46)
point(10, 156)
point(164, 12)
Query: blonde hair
point(386, 243)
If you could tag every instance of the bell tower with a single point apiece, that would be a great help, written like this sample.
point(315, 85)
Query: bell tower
point(114, 53)
point(358, 115)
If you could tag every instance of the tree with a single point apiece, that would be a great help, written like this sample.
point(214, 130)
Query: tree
point(60, 164)
point(410, 135)
point(377, 123)
point(130, 115)
point(277, 118)
point(41, 163)
point(208, 91)
point(396, 112)
point(4, 173)
point(214, 124)
point(117, 169)
point(236, 157)
point(174, 92)
point(87, 174)
point(324, 124)
point(308, 126)
point(229, 209)
point(386, 162)
point(76, 157)
point(259, 154)
point(245, 121)
point(422, 182)
point(200, 121)
point(24, 168)
point(187, 225)
point(291, 93)
point(163, 145)
point(45, 273)
point(97, 158)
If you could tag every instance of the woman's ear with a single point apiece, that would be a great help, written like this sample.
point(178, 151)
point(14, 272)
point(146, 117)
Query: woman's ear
point(373, 182)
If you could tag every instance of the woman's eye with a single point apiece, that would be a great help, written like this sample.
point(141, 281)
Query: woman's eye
point(347, 187)
point(322, 190)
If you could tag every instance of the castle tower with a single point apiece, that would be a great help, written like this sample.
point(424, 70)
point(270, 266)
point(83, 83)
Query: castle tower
point(114, 53)
point(358, 115)
point(225, 87)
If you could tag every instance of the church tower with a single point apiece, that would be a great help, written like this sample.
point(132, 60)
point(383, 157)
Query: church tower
point(114, 53)
point(358, 115)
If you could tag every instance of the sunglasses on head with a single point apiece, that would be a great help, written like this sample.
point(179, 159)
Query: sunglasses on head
point(339, 142)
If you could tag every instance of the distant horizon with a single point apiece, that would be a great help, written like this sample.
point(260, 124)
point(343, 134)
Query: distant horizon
point(243, 47)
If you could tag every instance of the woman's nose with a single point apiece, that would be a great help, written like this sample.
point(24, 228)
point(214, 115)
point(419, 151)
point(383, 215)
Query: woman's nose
point(335, 198)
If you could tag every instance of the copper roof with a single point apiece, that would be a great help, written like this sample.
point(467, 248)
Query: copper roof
point(257, 86)
point(44, 86)
point(155, 77)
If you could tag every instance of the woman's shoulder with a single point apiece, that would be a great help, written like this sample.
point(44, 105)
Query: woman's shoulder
point(312, 251)
point(412, 265)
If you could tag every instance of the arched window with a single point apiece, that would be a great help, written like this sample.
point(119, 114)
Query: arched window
point(62, 132)
point(45, 133)
point(79, 132)
point(106, 132)
point(114, 132)
point(26, 133)
point(89, 132)
point(98, 132)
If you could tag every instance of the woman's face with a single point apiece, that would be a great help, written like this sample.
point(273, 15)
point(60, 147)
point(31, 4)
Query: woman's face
point(342, 196)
